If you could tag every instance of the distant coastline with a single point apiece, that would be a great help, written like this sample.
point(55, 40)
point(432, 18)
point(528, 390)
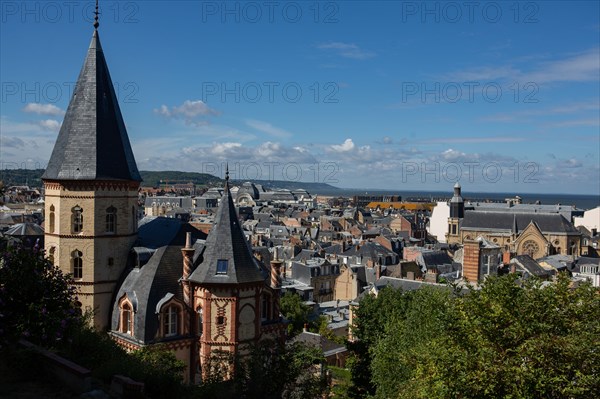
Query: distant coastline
point(583, 201)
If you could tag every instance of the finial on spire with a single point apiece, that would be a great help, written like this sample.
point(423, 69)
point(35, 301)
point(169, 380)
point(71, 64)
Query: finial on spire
point(96, 23)
point(227, 172)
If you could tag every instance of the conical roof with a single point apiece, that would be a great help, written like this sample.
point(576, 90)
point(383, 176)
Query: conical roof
point(227, 258)
point(92, 143)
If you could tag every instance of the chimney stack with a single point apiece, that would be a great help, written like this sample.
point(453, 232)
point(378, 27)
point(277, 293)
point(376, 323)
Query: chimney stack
point(188, 255)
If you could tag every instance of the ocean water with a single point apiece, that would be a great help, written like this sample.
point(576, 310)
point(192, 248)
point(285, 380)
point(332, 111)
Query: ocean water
point(580, 201)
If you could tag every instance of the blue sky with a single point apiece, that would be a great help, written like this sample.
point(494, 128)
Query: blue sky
point(502, 96)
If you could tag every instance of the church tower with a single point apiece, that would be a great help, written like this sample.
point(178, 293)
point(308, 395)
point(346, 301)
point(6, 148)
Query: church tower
point(91, 186)
point(235, 300)
point(457, 212)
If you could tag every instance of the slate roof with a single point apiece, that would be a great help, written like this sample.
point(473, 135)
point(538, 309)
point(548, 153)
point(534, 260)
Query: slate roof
point(226, 241)
point(156, 279)
point(504, 221)
point(92, 143)
point(25, 229)
point(528, 264)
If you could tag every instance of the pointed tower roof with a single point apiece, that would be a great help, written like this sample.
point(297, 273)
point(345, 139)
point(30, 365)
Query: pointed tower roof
point(92, 143)
point(227, 258)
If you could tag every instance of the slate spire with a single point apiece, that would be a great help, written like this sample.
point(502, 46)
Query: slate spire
point(92, 143)
point(228, 258)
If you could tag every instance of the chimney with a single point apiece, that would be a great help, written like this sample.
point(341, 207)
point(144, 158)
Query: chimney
point(276, 274)
point(305, 329)
point(377, 271)
point(188, 255)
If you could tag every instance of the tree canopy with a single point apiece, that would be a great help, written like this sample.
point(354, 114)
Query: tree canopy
point(511, 338)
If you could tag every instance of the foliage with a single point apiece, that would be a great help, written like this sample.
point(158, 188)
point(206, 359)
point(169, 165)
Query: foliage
point(37, 301)
point(155, 365)
point(369, 323)
point(509, 339)
point(341, 382)
point(267, 370)
point(293, 309)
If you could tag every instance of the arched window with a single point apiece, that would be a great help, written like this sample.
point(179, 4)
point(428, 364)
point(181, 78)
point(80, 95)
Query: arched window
point(126, 318)
point(111, 220)
point(170, 320)
point(77, 264)
point(200, 321)
point(51, 219)
point(77, 219)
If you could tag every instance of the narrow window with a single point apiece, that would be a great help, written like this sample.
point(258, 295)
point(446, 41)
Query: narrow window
point(200, 326)
point(133, 219)
point(126, 319)
point(52, 219)
point(220, 320)
point(170, 321)
point(111, 219)
point(77, 219)
point(77, 261)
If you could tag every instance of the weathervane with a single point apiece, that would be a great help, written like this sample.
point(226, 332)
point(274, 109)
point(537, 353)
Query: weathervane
point(96, 23)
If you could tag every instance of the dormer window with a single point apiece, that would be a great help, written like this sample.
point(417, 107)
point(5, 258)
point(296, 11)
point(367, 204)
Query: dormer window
point(126, 319)
point(222, 265)
point(170, 326)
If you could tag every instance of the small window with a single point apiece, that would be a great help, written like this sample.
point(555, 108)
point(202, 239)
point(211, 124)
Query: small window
point(126, 319)
point(111, 219)
point(170, 321)
point(77, 219)
point(200, 325)
point(52, 219)
point(222, 265)
point(77, 261)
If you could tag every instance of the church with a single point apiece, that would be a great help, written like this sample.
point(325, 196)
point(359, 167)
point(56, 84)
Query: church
point(154, 280)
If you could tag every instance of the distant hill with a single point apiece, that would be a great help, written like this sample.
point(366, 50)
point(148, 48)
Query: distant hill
point(32, 178)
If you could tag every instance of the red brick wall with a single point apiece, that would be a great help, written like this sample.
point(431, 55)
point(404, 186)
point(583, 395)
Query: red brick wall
point(471, 261)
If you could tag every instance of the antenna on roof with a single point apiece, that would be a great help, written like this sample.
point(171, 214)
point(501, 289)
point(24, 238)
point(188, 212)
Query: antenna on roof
point(96, 23)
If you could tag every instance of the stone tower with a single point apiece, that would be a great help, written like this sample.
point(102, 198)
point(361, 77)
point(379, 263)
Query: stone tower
point(236, 301)
point(91, 186)
point(457, 212)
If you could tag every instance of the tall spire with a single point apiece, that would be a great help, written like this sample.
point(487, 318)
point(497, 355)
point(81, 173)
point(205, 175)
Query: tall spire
point(228, 258)
point(92, 143)
point(96, 23)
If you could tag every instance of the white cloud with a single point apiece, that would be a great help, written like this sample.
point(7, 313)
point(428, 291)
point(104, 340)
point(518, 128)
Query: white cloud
point(188, 111)
point(267, 128)
point(43, 109)
point(347, 145)
point(347, 50)
point(50, 124)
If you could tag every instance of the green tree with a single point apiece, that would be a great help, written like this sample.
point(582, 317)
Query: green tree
point(293, 309)
point(509, 339)
point(37, 301)
point(370, 319)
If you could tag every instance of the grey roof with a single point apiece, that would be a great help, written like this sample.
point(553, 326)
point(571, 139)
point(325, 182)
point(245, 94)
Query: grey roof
point(528, 264)
point(318, 341)
point(155, 280)
point(92, 143)
point(25, 229)
point(505, 221)
point(226, 241)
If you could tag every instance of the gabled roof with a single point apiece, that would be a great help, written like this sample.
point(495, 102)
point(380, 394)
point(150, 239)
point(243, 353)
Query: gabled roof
point(92, 143)
point(226, 242)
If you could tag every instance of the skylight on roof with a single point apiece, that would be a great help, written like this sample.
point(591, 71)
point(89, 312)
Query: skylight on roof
point(222, 265)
